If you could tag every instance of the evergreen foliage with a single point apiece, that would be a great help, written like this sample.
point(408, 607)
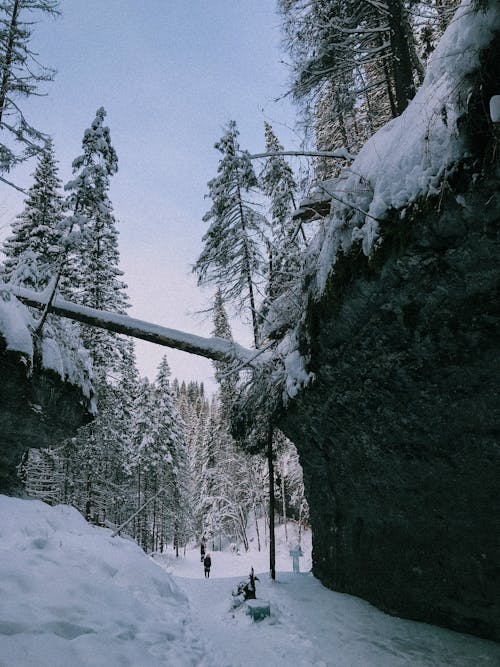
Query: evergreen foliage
point(35, 244)
point(20, 74)
point(356, 65)
point(232, 257)
point(92, 260)
point(287, 237)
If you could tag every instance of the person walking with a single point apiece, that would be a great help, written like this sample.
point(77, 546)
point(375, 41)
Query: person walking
point(207, 564)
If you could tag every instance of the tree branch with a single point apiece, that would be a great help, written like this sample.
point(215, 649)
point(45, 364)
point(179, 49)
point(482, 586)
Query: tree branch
point(12, 185)
point(341, 154)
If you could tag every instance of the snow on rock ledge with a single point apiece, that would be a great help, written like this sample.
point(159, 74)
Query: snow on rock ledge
point(495, 109)
point(73, 595)
point(408, 157)
point(15, 323)
point(61, 349)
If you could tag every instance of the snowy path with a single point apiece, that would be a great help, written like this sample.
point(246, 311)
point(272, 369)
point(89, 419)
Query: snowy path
point(312, 626)
point(71, 595)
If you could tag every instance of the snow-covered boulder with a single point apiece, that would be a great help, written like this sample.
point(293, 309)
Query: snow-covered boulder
point(70, 594)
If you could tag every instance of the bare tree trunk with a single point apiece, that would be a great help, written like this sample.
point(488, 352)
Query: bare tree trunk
point(272, 543)
point(401, 57)
point(246, 260)
point(257, 527)
point(283, 499)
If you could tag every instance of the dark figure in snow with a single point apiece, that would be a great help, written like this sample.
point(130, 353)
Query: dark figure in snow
point(207, 563)
point(246, 588)
point(250, 587)
point(202, 551)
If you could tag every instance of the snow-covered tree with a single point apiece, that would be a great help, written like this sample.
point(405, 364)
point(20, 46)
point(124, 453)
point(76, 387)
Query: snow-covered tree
point(226, 377)
point(287, 236)
point(34, 247)
point(355, 65)
point(278, 182)
point(231, 258)
point(20, 74)
point(92, 268)
point(159, 462)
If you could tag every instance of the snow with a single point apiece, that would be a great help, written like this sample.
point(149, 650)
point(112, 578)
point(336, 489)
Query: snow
point(70, 594)
point(495, 109)
point(214, 348)
point(61, 350)
point(15, 321)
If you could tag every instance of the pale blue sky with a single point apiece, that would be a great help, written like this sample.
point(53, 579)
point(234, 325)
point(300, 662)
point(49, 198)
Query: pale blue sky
point(170, 73)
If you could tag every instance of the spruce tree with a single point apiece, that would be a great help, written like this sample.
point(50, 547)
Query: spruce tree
point(35, 245)
point(159, 462)
point(227, 378)
point(278, 183)
point(93, 257)
point(20, 74)
point(231, 258)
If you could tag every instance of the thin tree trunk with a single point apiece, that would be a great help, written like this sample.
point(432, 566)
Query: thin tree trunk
point(246, 261)
point(401, 57)
point(300, 525)
point(88, 502)
point(256, 527)
point(272, 543)
point(388, 84)
point(283, 499)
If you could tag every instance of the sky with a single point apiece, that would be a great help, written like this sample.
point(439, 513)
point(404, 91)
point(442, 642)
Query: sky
point(170, 74)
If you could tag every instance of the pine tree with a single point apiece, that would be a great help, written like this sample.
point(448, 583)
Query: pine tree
point(226, 377)
point(284, 247)
point(34, 247)
point(231, 258)
point(20, 74)
point(93, 256)
point(159, 462)
point(278, 182)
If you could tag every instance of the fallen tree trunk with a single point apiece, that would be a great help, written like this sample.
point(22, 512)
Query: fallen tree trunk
point(218, 349)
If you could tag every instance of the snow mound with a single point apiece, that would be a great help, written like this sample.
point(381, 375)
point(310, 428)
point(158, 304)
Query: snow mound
point(70, 594)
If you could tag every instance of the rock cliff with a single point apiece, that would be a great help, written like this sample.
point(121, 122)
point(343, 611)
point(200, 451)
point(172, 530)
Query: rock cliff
point(399, 435)
point(37, 409)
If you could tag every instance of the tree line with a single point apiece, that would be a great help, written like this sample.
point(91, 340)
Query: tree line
point(156, 440)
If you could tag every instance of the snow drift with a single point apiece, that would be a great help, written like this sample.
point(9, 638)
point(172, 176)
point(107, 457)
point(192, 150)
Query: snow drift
point(70, 594)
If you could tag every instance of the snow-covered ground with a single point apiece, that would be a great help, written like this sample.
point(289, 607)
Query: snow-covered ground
point(73, 596)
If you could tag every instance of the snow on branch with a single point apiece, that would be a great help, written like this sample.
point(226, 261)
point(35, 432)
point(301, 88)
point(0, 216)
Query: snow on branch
point(341, 154)
point(218, 349)
point(12, 185)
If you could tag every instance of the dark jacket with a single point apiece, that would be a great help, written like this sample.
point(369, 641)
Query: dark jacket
point(207, 562)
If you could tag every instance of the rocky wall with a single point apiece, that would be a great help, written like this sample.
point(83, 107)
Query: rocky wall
point(399, 436)
point(37, 409)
